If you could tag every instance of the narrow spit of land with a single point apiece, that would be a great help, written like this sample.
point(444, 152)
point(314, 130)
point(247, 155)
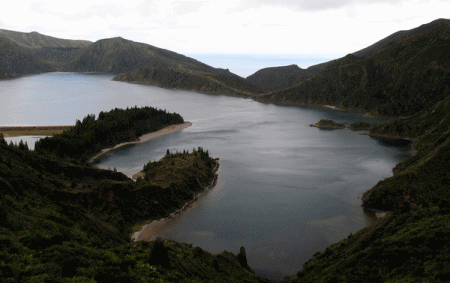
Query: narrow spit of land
point(149, 232)
point(14, 131)
point(145, 138)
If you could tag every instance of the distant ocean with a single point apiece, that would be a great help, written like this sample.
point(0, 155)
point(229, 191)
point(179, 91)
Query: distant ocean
point(246, 65)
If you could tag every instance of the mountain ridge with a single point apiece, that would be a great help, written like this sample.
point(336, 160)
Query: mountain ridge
point(399, 79)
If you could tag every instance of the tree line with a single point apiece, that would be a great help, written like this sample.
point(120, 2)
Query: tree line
point(91, 135)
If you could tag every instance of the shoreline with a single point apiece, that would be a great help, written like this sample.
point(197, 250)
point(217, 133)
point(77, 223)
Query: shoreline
point(152, 228)
point(144, 138)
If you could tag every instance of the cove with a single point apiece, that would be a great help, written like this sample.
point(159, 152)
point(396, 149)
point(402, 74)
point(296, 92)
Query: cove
point(285, 190)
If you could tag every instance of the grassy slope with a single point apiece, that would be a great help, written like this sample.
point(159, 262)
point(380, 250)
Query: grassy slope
point(17, 60)
point(423, 180)
point(279, 78)
point(399, 79)
point(41, 50)
point(410, 244)
point(37, 40)
point(118, 55)
point(63, 222)
point(188, 79)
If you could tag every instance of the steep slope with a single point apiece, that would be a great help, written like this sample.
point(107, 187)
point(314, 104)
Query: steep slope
point(188, 79)
point(400, 79)
point(60, 222)
point(279, 78)
point(46, 49)
point(422, 180)
point(400, 247)
point(411, 243)
point(118, 55)
point(16, 60)
point(366, 52)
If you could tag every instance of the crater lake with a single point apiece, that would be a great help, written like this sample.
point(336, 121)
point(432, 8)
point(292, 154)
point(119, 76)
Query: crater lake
point(285, 190)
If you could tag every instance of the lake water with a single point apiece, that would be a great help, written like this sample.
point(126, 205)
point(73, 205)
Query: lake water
point(285, 190)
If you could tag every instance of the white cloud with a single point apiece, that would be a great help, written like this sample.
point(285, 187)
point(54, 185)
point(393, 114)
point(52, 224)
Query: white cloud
point(323, 27)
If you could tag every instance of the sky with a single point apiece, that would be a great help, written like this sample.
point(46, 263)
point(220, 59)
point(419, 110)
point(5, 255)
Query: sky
point(295, 28)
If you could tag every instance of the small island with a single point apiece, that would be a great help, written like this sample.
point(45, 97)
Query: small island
point(328, 125)
point(332, 125)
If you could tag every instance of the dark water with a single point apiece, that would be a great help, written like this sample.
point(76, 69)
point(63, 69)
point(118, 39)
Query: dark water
point(285, 190)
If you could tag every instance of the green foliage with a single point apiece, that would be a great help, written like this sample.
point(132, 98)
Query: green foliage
point(61, 222)
point(200, 81)
point(92, 135)
point(399, 79)
point(279, 78)
point(422, 180)
point(359, 126)
point(328, 124)
point(411, 246)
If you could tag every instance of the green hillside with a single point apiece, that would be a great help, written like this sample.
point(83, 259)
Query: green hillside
point(188, 79)
point(399, 79)
point(90, 136)
point(17, 60)
point(118, 55)
point(37, 40)
point(61, 222)
point(278, 78)
point(37, 53)
point(410, 243)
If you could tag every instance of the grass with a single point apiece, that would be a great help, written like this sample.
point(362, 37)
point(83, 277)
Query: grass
point(15, 131)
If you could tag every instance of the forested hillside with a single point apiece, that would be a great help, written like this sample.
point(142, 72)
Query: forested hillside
point(279, 78)
point(200, 81)
point(61, 222)
point(398, 79)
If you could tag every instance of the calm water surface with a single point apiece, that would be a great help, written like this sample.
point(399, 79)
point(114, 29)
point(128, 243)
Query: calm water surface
point(285, 190)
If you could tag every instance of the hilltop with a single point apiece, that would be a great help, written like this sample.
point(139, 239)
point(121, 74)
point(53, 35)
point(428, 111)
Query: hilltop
point(278, 78)
point(399, 79)
point(119, 55)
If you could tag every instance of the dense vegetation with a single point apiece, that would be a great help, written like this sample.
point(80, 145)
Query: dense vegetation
point(279, 78)
point(15, 60)
point(410, 244)
point(200, 81)
point(61, 222)
point(118, 55)
point(400, 247)
point(398, 79)
point(328, 124)
point(173, 181)
point(92, 135)
point(422, 180)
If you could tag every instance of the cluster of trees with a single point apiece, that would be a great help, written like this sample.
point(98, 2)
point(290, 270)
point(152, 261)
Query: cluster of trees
point(62, 222)
point(91, 135)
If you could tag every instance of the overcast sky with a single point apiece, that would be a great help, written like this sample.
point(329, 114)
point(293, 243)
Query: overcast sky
point(327, 28)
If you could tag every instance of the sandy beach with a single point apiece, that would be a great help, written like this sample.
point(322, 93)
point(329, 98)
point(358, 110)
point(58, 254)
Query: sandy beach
point(150, 231)
point(146, 138)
